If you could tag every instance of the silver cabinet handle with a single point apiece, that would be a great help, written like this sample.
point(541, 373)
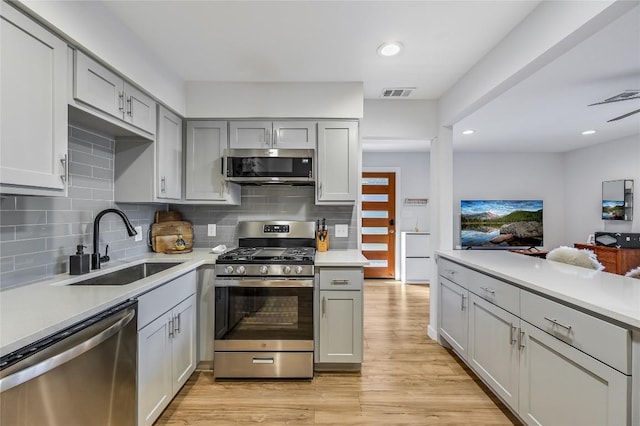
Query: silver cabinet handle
point(324, 306)
point(462, 302)
point(275, 137)
point(130, 106)
point(171, 329)
point(178, 323)
point(65, 168)
point(320, 189)
point(489, 290)
point(512, 334)
point(555, 322)
point(339, 282)
point(163, 184)
point(521, 340)
point(267, 136)
point(121, 101)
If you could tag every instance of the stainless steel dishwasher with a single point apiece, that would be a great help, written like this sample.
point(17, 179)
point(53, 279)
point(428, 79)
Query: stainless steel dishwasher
point(83, 375)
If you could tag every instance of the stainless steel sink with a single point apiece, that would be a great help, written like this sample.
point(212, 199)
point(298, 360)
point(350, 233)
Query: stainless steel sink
point(128, 275)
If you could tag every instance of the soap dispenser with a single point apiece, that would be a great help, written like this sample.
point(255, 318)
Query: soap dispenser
point(79, 262)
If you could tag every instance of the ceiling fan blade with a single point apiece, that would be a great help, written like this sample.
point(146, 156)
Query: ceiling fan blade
point(624, 116)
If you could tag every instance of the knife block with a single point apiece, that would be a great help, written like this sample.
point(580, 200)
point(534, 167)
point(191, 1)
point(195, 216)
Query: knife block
point(322, 244)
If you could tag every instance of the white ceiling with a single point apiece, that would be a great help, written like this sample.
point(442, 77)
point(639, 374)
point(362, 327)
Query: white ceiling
point(282, 41)
point(317, 41)
point(548, 111)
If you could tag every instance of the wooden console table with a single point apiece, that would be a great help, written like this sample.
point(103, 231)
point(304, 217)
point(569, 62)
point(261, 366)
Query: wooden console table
point(615, 260)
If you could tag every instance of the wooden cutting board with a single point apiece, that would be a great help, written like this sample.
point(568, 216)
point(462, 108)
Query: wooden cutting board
point(167, 216)
point(165, 234)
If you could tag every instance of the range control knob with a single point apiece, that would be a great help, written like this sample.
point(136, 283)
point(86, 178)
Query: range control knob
point(264, 269)
point(228, 269)
point(286, 269)
point(241, 270)
point(298, 269)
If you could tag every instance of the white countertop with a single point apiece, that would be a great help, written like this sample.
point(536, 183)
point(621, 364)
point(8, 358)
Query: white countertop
point(34, 311)
point(611, 296)
point(37, 310)
point(340, 258)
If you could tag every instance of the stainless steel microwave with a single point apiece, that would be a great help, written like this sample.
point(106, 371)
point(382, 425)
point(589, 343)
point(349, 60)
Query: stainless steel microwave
point(259, 166)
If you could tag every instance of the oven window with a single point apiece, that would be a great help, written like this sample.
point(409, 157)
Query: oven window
point(259, 313)
point(270, 167)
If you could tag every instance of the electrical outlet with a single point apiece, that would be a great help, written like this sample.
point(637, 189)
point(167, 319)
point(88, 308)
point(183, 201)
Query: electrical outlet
point(138, 236)
point(342, 231)
point(211, 230)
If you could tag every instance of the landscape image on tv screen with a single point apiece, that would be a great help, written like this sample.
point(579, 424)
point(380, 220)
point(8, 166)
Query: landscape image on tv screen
point(612, 209)
point(501, 224)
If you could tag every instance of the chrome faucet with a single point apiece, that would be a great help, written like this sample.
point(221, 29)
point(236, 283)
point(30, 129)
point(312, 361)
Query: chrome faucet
point(95, 257)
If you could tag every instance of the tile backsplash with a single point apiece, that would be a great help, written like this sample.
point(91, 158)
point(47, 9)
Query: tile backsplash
point(38, 234)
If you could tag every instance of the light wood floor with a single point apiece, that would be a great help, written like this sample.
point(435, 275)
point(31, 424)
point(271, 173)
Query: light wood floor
point(406, 378)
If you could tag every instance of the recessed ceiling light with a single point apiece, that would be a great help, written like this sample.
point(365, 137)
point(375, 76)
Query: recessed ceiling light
point(390, 48)
point(588, 132)
point(468, 132)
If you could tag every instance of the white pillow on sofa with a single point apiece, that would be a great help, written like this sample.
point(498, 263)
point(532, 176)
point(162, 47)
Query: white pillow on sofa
point(573, 256)
point(634, 273)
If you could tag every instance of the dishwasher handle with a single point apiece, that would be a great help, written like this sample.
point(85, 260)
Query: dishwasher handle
point(49, 364)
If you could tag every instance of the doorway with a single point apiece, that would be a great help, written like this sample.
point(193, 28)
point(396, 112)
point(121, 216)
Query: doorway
point(379, 223)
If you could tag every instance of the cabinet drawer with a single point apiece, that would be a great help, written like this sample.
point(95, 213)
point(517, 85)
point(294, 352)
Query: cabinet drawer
point(453, 272)
point(602, 340)
point(495, 291)
point(159, 300)
point(341, 279)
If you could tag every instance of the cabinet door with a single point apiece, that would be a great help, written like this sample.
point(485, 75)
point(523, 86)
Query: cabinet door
point(493, 347)
point(206, 142)
point(98, 87)
point(294, 134)
point(169, 155)
point(140, 109)
point(418, 269)
point(454, 315)
point(338, 160)
point(340, 326)
point(183, 342)
point(33, 83)
point(154, 369)
point(250, 134)
point(560, 385)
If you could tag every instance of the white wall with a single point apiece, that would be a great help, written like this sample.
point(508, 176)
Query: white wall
point(274, 100)
point(399, 119)
point(92, 26)
point(586, 169)
point(415, 182)
point(529, 176)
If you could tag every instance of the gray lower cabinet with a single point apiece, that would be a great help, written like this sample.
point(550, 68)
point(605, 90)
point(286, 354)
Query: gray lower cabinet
point(33, 111)
point(340, 319)
point(166, 344)
point(205, 183)
point(549, 363)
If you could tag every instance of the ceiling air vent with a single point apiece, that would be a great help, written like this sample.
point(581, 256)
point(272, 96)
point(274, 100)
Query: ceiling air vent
point(397, 92)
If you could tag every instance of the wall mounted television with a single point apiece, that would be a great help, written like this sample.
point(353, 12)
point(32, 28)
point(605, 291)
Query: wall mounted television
point(501, 224)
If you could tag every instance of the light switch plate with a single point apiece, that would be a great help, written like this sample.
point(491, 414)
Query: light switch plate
point(342, 231)
point(138, 236)
point(211, 230)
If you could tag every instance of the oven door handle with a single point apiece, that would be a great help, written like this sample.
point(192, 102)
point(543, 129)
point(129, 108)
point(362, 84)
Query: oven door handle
point(263, 283)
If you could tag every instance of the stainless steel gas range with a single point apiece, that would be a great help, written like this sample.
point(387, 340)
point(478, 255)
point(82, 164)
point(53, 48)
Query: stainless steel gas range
point(264, 302)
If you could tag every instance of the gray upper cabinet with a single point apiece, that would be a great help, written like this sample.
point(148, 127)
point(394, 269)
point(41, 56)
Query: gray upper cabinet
point(33, 135)
point(100, 88)
point(338, 159)
point(169, 155)
point(204, 178)
point(255, 134)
